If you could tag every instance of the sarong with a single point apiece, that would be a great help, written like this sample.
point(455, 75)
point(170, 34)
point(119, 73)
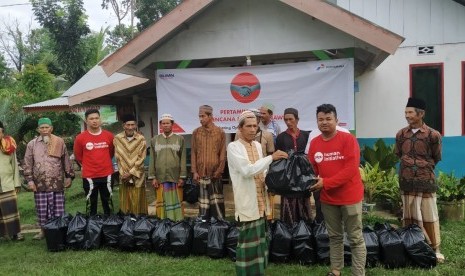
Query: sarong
point(211, 199)
point(49, 205)
point(169, 201)
point(9, 215)
point(132, 200)
point(252, 248)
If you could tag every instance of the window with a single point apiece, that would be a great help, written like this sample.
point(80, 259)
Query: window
point(426, 82)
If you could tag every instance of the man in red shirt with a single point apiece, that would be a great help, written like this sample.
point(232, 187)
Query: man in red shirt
point(94, 149)
point(335, 157)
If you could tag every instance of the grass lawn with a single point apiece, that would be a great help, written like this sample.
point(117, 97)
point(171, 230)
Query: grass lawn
point(31, 257)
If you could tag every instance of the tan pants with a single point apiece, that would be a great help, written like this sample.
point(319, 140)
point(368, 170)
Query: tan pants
point(349, 218)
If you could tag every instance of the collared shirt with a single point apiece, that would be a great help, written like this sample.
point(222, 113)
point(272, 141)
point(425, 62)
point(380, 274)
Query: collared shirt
point(271, 127)
point(265, 138)
point(208, 153)
point(167, 158)
point(419, 152)
point(46, 171)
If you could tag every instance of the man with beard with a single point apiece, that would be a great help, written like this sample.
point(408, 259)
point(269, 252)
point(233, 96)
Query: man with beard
point(168, 170)
point(130, 152)
point(48, 171)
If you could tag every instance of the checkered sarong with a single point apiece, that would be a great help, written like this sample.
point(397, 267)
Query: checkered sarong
point(252, 248)
point(9, 215)
point(211, 199)
point(49, 205)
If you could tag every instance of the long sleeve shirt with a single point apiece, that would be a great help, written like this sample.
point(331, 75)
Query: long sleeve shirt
point(208, 151)
point(242, 172)
point(94, 152)
point(9, 172)
point(130, 156)
point(47, 171)
point(167, 158)
point(337, 161)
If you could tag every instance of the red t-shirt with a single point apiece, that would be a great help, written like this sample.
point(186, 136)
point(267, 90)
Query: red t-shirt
point(95, 152)
point(337, 162)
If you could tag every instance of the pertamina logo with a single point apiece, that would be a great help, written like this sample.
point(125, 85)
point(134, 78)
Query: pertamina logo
point(245, 87)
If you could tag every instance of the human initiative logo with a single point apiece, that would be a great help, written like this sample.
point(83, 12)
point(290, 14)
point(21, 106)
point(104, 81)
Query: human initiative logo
point(318, 157)
point(245, 87)
point(90, 146)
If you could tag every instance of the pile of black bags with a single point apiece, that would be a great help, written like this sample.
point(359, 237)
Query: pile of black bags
point(304, 243)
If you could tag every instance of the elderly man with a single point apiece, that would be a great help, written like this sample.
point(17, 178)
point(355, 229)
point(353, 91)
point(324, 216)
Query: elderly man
point(267, 122)
point(130, 152)
point(419, 149)
point(247, 167)
point(168, 170)
point(10, 183)
point(208, 158)
point(48, 171)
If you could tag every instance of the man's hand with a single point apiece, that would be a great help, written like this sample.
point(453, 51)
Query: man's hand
point(217, 176)
point(180, 182)
point(155, 184)
point(125, 176)
point(279, 154)
point(68, 182)
point(196, 177)
point(17, 189)
point(32, 186)
point(318, 185)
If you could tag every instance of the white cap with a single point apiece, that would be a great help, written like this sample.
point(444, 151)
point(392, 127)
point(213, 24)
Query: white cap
point(166, 116)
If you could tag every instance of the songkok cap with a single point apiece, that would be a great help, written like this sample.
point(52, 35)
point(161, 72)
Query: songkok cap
point(291, 110)
point(43, 121)
point(246, 114)
point(128, 117)
point(256, 112)
point(206, 109)
point(268, 106)
point(166, 116)
point(416, 103)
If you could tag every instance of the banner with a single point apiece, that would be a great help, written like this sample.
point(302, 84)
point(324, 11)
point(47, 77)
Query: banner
point(230, 91)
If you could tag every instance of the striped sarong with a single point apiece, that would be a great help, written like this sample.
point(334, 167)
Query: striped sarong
point(252, 248)
point(169, 201)
point(132, 199)
point(211, 199)
point(9, 215)
point(49, 205)
point(421, 209)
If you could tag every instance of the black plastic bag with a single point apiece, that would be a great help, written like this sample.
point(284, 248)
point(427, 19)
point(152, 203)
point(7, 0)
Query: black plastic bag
point(190, 191)
point(126, 239)
point(322, 242)
point(76, 231)
point(281, 243)
point(55, 232)
point(303, 249)
point(393, 253)
point(418, 250)
point(93, 236)
point(180, 238)
point(372, 245)
point(111, 227)
point(142, 232)
point(217, 238)
point(200, 237)
point(231, 242)
point(290, 176)
point(160, 236)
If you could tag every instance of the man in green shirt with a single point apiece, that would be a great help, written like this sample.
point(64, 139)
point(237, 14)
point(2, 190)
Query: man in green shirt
point(168, 170)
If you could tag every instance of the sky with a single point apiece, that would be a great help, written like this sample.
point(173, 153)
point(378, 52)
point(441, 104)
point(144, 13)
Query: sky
point(21, 10)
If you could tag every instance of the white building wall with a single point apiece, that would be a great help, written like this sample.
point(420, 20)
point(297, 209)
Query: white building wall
point(421, 22)
point(384, 91)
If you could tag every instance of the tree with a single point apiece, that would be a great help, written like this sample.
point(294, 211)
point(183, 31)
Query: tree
point(150, 11)
point(66, 22)
point(95, 48)
point(5, 73)
point(119, 36)
point(14, 43)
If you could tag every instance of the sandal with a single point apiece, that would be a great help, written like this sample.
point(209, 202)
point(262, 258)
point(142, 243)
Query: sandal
point(39, 236)
point(18, 237)
point(440, 257)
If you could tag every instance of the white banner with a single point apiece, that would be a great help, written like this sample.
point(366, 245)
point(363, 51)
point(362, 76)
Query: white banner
point(229, 91)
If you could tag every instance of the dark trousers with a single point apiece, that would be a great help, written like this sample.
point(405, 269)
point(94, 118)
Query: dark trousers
point(100, 185)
